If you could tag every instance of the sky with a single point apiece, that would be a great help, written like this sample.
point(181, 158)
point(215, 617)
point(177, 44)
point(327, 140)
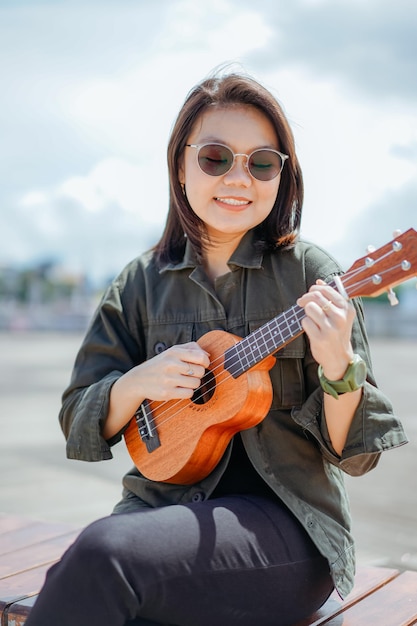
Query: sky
point(91, 88)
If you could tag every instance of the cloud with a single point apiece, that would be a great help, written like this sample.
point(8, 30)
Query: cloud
point(52, 55)
point(92, 91)
point(395, 210)
point(351, 153)
point(116, 181)
point(372, 45)
point(406, 151)
point(94, 223)
point(93, 86)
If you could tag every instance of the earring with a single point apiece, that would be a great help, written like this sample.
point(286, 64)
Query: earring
point(183, 188)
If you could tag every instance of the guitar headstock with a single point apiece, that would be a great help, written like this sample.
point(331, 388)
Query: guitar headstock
point(382, 269)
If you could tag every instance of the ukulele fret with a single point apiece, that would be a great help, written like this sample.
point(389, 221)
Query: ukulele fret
point(264, 341)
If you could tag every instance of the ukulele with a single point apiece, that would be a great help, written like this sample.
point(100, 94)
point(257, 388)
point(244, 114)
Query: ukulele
point(181, 441)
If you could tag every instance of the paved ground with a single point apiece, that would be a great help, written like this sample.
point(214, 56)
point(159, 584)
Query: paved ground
point(37, 480)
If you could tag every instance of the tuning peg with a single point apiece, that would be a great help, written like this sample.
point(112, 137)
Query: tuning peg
point(370, 248)
point(393, 300)
point(397, 233)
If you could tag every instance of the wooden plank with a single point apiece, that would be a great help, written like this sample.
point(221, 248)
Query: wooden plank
point(23, 585)
point(36, 532)
point(367, 581)
point(36, 554)
point(27, 549)
point(394, 604)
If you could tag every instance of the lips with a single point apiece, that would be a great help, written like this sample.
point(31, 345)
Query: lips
point(233, 201)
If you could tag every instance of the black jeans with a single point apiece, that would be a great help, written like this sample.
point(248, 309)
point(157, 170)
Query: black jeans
point(236, 560)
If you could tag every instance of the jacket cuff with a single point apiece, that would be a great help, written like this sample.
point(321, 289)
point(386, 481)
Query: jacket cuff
point(374, 429)
point(85, 441)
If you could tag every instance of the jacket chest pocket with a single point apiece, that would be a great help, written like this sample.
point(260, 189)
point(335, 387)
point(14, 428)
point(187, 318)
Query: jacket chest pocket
point(287, 375)
point(163, 336)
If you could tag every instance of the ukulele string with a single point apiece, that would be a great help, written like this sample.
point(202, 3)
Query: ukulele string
point(204, 389)
point(171, 404)
point(349, 287)
point(295, 311)
point(180, 409)
point(352, 274)
point(282, 325)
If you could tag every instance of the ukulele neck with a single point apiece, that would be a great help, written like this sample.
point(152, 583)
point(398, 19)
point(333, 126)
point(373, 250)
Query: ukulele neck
point(269, 338)
point(264, 341)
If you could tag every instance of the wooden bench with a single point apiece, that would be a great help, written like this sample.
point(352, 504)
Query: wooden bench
point(381, 596)
point(27, 549)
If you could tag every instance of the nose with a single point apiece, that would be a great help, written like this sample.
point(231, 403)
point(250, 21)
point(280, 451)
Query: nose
point(239, 174)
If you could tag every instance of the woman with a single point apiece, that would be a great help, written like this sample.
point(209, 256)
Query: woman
point(263, 535)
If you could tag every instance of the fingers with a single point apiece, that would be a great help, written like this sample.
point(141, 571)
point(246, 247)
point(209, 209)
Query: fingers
point(190, 371)
point(179, 370)
point(328, 324)
point(325, 306)
point(193, 371)
point(327, 313)
point(193, 360)
point(324, 298)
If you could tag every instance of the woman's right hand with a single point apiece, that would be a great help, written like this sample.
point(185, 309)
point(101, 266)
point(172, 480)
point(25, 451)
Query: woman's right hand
point(172, 374)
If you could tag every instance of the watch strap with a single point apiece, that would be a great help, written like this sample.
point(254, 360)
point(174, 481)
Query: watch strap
point(353, 379)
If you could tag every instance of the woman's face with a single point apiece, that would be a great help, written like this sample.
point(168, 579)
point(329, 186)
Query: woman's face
point(232, 203)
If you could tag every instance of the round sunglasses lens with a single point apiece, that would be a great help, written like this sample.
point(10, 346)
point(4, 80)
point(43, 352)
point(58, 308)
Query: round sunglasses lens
point(265, 164)
point(215, 160)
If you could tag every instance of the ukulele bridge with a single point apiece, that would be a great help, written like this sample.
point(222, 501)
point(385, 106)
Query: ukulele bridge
point(146, 427)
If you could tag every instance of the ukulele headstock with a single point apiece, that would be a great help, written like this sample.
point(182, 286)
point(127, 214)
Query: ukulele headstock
point(382, 269)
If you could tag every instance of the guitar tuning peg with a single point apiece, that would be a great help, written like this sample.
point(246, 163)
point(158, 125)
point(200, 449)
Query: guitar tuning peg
point(370, 248)
point(397, 233)
point(393, 300)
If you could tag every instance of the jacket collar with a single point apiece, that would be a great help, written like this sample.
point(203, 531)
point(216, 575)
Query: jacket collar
point(246, 255)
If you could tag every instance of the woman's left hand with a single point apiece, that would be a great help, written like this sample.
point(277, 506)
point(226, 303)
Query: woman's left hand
point(328, 325)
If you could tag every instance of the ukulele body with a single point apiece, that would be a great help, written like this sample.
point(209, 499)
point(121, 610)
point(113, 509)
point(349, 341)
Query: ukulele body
point(194, 434)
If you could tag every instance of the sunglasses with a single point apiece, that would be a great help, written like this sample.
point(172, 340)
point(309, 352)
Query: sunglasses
point(215, 159)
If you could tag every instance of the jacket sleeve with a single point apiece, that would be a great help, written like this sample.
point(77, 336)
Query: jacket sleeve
point(112, 346)
point(374, 427)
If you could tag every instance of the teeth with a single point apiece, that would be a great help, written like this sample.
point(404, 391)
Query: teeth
point(233, 201)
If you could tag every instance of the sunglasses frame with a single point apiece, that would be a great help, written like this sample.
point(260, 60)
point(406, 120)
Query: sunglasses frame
point(283, 157)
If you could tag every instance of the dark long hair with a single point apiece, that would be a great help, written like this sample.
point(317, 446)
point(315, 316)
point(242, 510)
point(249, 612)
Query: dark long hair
point(281, 227)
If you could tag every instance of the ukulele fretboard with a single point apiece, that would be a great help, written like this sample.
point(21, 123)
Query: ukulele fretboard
point(264, 341)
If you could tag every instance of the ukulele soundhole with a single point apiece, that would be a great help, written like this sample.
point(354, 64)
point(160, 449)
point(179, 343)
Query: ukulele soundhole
point(205, 391)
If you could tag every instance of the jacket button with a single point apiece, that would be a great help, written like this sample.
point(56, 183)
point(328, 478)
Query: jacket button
point(159, 347)
point(198, 497)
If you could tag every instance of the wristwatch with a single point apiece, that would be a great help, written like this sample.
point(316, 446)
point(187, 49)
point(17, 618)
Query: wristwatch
point(354, 378)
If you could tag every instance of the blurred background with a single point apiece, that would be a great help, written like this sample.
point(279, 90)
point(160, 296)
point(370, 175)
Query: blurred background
point(90, 90)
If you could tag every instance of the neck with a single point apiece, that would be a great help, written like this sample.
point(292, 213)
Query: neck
point(217, 255)
point(215, 268)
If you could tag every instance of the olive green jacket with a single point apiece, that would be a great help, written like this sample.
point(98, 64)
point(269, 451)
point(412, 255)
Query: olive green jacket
point(147, 309)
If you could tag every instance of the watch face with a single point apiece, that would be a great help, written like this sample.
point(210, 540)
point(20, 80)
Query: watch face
point(359, 371)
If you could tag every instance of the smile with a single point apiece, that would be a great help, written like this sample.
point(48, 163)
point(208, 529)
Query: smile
point(233, 201)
